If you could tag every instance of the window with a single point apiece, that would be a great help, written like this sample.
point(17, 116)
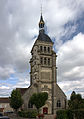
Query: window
point(41, 49)
point(44, 49)
point(58, 103)
point(45, 60)
point(41, 60)
point(48, 49)
point(48, 61)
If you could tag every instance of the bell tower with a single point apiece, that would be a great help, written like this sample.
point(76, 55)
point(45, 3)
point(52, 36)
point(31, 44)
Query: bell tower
point(43, 74)
point(43, 63)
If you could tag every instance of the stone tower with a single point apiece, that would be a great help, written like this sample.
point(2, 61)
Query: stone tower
point(43, 76)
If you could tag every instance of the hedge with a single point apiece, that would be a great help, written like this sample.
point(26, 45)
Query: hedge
point(28, 114)
point(79, 114)
point(64, 114)
point(70, 114)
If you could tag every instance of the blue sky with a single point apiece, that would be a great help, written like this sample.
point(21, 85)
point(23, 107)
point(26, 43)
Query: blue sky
point(18, 31)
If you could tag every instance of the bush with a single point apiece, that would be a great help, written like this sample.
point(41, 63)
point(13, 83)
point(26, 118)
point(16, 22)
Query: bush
point(79, 114)
point(61, 114)
point(64, 114)
point(70, 114)
point(28, 114)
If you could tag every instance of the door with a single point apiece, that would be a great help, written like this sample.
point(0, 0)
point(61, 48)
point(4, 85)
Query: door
point(45, 110)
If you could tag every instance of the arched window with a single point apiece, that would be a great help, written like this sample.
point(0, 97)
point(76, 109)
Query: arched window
point(48, 61)
point(41, 60)
point(58, 103)
point(41, 48)
point(30, 105)
point(48, 49)
point(44, 49)
point(45, 60)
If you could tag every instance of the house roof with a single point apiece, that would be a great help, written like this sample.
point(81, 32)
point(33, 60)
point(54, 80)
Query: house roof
point(4, 100)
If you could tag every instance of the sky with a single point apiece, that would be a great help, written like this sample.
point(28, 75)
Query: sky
point(64, 20)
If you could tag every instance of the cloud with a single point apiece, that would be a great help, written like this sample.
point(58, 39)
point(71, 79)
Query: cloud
point(15, 34)
point(19, 28)
point(69, 86)
point(20, 19)
point(5, 72)
point(60, 13)
point(71, 65)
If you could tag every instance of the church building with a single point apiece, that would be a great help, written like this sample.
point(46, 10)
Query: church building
point(43, 74)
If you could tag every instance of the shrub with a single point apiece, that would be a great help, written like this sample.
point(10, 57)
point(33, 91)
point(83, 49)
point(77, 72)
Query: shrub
point(61, 114)
point(70, 114)
point(79, 114)
point(28, 114)
point(64, 114)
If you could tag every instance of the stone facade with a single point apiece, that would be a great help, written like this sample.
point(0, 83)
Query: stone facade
point(43, 75)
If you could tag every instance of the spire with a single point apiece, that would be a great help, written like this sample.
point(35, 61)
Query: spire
point(41, 23)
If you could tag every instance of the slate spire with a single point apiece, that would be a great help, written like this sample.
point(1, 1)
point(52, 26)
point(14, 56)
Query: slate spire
point(41, 23)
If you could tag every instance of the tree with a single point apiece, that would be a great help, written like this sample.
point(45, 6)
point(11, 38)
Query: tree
point(39, 99)
point(76, 101)
point(16, 100)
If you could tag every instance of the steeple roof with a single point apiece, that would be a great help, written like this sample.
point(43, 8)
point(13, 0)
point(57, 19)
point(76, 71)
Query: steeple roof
point(41, 23)
point(42, 36)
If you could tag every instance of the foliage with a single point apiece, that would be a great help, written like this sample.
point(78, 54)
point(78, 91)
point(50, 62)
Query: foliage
point(16, 100)
point(76, 108)
point(28, 114)
point(61, 115)
point(64, 114)
point(39, 99)
point(76, 101)
point(79, 114)
point(70, 114)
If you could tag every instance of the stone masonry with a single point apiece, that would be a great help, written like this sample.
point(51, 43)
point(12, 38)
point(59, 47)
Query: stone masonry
point(43, 74)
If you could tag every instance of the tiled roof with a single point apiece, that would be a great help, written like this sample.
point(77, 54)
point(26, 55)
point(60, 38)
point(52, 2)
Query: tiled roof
point(4, 100)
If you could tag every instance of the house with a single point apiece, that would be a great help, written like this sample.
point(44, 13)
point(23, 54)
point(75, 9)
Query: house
point(5, 105)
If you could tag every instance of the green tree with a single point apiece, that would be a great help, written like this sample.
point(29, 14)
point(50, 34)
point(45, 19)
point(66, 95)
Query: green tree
point(16, 100)
point(76, 101)
point(39, 99)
